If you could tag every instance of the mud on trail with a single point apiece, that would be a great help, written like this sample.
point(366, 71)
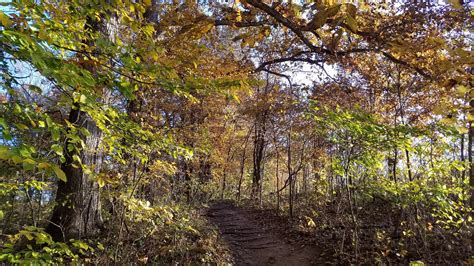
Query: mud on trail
point(250, 244)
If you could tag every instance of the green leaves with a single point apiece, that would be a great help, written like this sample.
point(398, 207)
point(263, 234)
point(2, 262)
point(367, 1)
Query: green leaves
point(3, 123)
point(58, 149)
point(4, 153)
point(79, 97)
point(29, 164)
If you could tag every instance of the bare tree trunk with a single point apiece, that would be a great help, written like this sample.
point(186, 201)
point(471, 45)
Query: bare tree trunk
point(290, 174)
point(463, 172)
point(407, 154)
point(278, 181)
point(305, 179)
point(242, 166)
point(259, 145)
point(471, 163)
point(223, 184)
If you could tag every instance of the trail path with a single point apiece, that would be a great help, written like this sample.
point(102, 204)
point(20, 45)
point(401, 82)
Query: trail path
point(250, 244)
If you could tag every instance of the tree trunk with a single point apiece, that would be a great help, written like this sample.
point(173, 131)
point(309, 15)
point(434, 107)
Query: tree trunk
point(291, 196)
point(469, 155)
point(290, 174)
point(77, 213)
point(259, 145)
point(242, 166)
point(463, 172)
point(394, 166)
point(223, 184)
point(277, 181)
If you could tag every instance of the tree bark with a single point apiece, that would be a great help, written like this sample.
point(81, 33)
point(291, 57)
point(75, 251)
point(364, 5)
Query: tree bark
point(259, 145)
point(242, 165)
point(77, 213)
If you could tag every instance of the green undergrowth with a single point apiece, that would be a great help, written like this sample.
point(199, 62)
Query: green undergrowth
point(160, 234)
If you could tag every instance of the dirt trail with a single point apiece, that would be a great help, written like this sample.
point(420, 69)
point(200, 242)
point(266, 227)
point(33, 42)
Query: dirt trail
point(250, 244)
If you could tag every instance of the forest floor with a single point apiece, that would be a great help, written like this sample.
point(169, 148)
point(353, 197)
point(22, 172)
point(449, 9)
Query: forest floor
point(253, 241)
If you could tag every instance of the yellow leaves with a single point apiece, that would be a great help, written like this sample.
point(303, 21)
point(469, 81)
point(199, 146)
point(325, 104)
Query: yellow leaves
point(148, 30)
point(82, 99)
point(448, 121)
point(469, 117)
point(462, 90)
point(79, 98)
point(101, 182)
point(352, 24)
point(103, 179)
point(417, 263)
point(238, 17)
point(44, 165)
point(351, 10)
point(250, 39)
point(5, 19)
point(59, 173)
point(163, 167)
point(442, 108)
point(264, 32)
point(4, 153)
point(197, 30)
point(321, 17)
point(462, 129)
point(455, 3)
point(310, 222)
point(147, 3)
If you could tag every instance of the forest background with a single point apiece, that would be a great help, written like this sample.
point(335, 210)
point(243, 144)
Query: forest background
point(120, 121)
